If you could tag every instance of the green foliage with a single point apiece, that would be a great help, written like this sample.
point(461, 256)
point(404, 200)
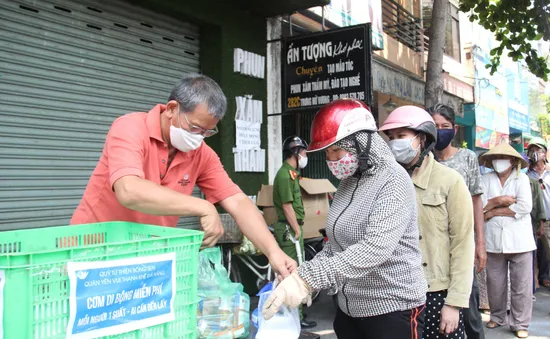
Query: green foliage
point(515, 23)
point(544, 124)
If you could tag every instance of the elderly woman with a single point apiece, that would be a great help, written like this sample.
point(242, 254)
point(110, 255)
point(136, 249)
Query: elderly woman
point(445, 220)
point(372, 256)
point(507, 204)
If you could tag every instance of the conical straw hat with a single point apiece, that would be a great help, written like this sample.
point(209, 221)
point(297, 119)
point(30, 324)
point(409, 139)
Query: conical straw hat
point(501, 149)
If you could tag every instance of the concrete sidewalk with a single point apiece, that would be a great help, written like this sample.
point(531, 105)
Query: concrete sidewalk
point(323, 312)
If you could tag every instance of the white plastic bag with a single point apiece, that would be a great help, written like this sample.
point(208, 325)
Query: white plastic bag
point(285, 324)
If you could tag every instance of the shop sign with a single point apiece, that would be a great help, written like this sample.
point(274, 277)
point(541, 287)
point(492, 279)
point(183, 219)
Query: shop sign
point(518, 121)
point(483, 137)
point(518, 116)
point(388, 81)
point(322, 67)
point(118, 296)
point(458, 88)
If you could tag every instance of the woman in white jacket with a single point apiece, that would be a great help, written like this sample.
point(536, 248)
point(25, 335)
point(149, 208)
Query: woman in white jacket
point(507, 205)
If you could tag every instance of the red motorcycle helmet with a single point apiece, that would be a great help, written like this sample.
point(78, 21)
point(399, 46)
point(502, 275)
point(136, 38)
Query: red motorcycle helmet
point(338, 120)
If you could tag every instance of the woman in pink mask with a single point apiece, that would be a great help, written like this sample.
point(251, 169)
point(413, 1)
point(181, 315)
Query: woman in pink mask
point(372, 258)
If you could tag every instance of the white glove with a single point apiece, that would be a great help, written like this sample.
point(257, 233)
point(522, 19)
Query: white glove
point(292, 292)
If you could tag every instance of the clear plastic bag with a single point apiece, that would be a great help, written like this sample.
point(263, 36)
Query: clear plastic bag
point(284, 324)
point(223, 311)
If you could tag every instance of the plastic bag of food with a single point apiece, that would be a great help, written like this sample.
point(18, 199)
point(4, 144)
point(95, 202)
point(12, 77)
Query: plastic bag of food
point(284, 324)
point(223, 310)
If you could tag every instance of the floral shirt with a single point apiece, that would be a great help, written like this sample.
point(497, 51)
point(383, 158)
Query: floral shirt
point(465, 163)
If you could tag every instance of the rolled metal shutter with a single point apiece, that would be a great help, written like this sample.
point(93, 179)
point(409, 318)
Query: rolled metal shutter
point(67, 70)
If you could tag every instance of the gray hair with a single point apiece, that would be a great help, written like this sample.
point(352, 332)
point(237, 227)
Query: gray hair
point(195, 89)
point(445, 111)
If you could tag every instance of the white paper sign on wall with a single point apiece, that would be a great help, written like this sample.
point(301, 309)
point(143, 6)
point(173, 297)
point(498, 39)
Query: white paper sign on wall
point(248, 155)
point(247, 135)
point(248, 63)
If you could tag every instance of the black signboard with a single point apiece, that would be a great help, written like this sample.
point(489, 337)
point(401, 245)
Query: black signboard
point(322, 67)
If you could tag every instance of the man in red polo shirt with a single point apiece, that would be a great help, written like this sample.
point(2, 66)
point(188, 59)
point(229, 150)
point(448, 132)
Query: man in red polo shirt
point(151, 162)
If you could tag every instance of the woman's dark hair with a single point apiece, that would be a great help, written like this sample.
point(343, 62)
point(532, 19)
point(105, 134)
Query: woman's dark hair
point(445, 111)
point(423, 137)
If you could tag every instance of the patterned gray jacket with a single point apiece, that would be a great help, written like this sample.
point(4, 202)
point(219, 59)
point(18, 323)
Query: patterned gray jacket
point(373, 256)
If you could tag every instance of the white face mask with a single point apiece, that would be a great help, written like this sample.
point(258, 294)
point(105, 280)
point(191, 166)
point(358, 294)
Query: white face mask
point(345, 167)
point(302, 161)
point(403, 151)
point(501, 165)
point(183, 140)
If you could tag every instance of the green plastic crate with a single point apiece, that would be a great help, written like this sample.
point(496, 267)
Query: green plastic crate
point(36, 292)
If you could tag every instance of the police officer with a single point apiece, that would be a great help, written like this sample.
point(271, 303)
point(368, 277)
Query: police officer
point(287, 199)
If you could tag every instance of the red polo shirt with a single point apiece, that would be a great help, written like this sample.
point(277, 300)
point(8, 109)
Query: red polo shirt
point(134, 146)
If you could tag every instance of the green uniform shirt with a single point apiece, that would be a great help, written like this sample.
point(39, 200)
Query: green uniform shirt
point(286, 190)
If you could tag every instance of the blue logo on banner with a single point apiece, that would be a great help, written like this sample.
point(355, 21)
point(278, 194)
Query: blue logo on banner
point(112, 296)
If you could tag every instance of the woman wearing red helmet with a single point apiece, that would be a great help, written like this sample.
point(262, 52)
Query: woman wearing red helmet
point(445, 220)
point(372, 257)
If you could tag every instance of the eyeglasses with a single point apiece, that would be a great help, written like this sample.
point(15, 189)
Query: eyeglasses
point(542, 186)
point(193, 129)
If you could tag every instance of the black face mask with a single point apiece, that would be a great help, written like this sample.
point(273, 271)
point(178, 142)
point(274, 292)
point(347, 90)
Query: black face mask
point(444, 138)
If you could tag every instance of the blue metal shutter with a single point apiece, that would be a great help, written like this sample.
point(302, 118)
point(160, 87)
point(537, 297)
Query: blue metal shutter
point(67, 70)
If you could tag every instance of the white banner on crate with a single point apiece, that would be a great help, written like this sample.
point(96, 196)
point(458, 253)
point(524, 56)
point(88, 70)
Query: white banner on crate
point(249, 160)
point(2, 282)
point(118, 296)
point(247, 135)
